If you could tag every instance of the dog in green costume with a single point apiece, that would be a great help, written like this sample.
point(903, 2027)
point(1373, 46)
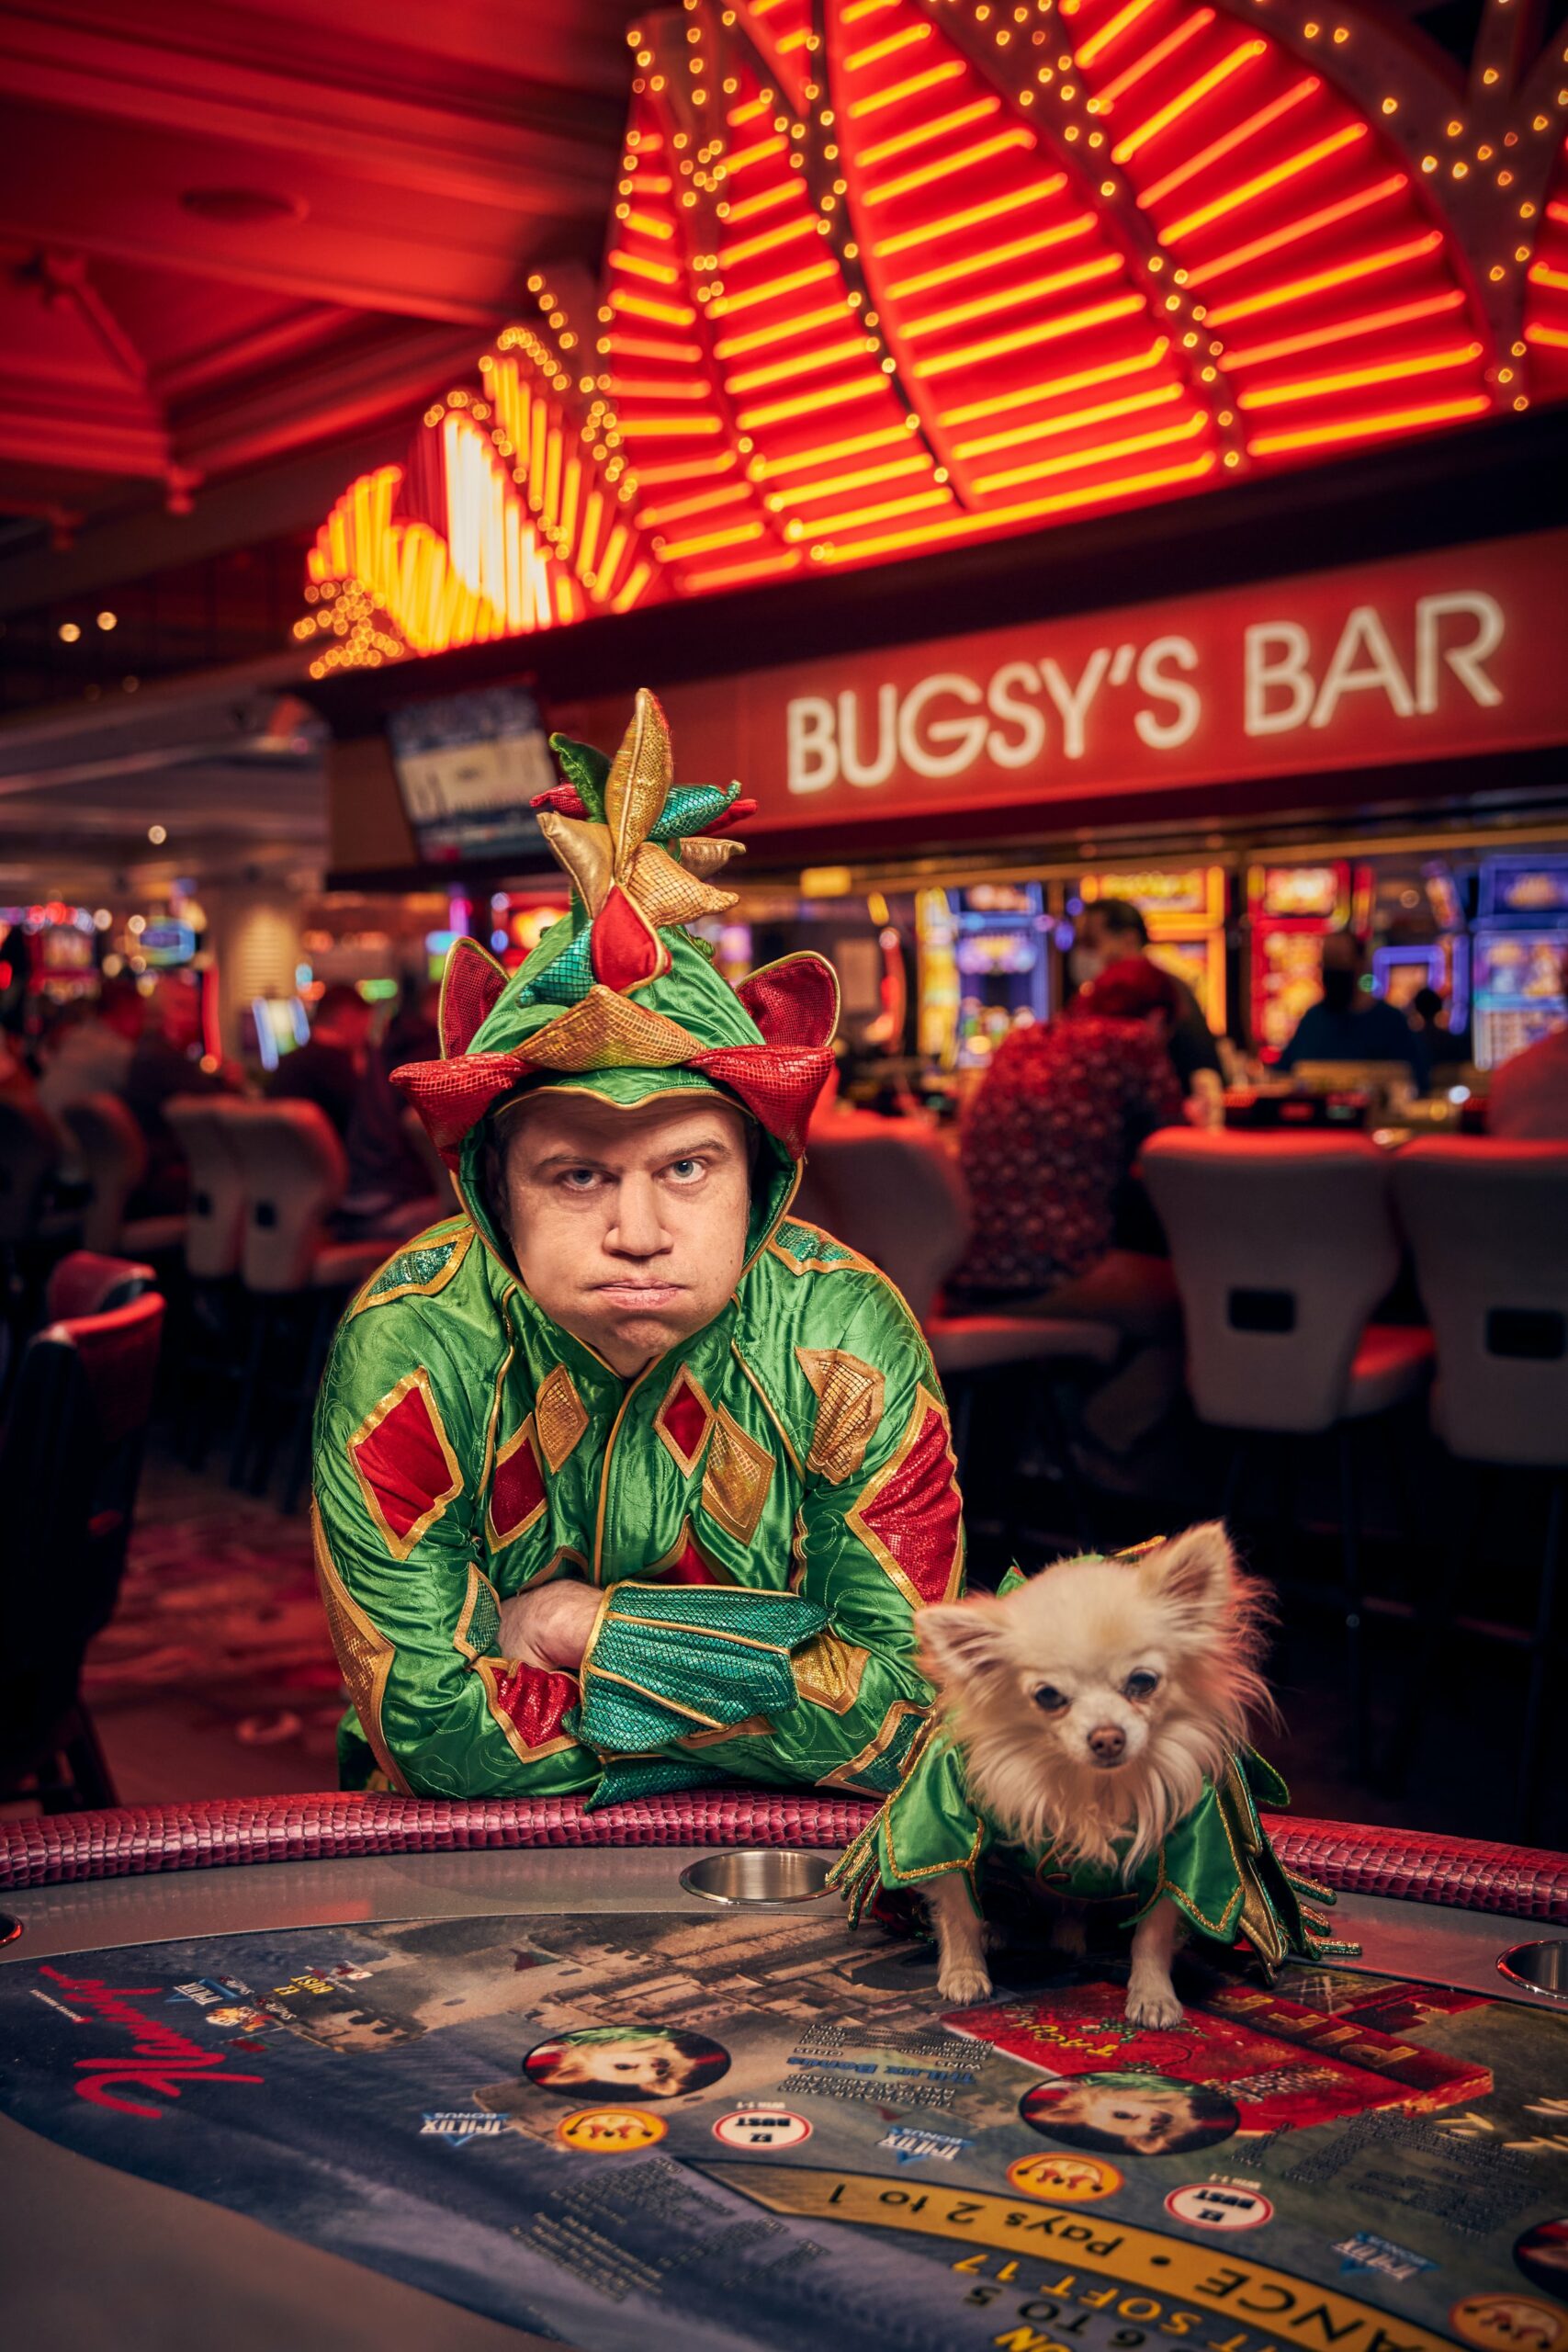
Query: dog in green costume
point(1092, 1744)
point(734, 1523)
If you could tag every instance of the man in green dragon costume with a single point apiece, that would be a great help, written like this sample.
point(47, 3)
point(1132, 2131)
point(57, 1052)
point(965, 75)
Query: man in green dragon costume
point(625, 1479)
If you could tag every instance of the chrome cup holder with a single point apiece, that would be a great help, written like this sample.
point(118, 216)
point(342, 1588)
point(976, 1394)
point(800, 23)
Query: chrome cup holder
point(1538, 1967)
point(758, 1878)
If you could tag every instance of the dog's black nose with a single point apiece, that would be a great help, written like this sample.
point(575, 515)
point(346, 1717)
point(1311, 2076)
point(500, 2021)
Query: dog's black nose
point(1107, 1744)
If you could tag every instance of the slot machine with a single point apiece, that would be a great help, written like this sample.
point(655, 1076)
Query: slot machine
point(1185, 911)
point(1521, 935)
point(1293, 910)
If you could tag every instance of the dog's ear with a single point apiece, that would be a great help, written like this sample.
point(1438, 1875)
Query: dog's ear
point(963, 1640)
point(1196, 1570)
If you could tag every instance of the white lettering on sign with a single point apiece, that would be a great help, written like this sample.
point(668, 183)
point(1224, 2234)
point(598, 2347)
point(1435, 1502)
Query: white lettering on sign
point(1028, 713)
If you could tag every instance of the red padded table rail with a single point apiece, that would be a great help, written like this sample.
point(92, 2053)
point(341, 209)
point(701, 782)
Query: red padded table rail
point(1418, 1866)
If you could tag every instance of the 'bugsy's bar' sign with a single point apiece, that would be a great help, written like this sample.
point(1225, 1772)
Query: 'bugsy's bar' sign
point(1421, 657)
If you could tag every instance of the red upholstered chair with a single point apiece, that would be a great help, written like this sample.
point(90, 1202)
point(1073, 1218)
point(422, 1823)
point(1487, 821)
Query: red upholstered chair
point(70, 1464)
point(893, 1189)
point(86, 1283)
point(297, 1279)
point(1282, 1248)
point(1488, 1223)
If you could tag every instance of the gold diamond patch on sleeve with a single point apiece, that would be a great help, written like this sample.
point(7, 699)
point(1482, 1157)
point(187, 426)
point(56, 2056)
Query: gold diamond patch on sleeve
point(735, 1483)
point(559, 1416)
point(365, 1654)
point(849, 1411)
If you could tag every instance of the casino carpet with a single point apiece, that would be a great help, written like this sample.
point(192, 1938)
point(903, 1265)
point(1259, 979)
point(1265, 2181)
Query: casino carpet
point(216, 1677)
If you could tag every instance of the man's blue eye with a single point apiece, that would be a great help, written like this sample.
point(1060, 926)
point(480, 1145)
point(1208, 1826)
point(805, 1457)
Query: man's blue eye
point(685, 1169)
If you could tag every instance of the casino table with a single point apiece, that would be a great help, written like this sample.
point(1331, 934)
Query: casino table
point(329, 2072)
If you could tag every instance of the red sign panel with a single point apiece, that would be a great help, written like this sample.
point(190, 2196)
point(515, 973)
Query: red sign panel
point(1420, 657)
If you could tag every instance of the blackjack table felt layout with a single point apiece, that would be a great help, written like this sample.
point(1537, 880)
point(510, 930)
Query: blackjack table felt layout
point(513, 2088)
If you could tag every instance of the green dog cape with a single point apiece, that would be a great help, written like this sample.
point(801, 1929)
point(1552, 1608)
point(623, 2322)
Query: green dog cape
point(764, 1508)
point(1216, 1865)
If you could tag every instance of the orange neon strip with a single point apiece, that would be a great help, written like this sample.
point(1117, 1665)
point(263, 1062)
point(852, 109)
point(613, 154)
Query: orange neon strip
point(1076, 323)
point(588, 544)
point(627, 595)
point(570, 498)
point(658, 428)
point(1185, 100)
point(975, 263)
point(749, 206)
point(1404, 420)
point(929, 80)
point(1146, 63)
point(1346, 330)
point(1083, 272)
point(1157, 396)
point(658, 273)
point(697, 467)
point(1552, 337)
point(653, 518)
point(730, 346)
point(1229, 142)
point(1027, 510)
point(615, 548)
point(752, 111)
point(669, 314)
point(863, 478)
point(1293, 232)
point(1000, 403)
point(1557, 212)
point(804, 363)
point(906, 39)
point(675, 388)
point(1097, 43)
point(1540, 275)
point(963, 161)
point(735, 575)
point(927, 233)
point(795, 41)
point(748, 247)
point(1298, 288)
point(1289, 168)
point(977, 110)
point(860, 9)
point(634, 346)
point(1075, 460)
point(1346, 380)
point(776, 412)
point(739, 535)
point(813, 275)
point(885, 509)
point(652, 183)
point(800, 460)
point(648, 227)
point(756, 154)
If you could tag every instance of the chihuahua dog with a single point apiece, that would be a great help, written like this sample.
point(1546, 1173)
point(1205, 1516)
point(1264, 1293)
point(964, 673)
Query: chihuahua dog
point(1089, 1705)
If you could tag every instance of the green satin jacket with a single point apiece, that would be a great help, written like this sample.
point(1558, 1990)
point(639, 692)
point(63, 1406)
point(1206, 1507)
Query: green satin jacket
point(1217, 1865)
point(764, 1507)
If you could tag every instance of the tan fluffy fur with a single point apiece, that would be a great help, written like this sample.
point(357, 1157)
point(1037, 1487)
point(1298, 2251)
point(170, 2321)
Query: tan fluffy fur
point(1082, 1629)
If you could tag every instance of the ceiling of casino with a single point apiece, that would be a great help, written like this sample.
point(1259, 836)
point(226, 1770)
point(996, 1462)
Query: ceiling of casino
point(234, 239)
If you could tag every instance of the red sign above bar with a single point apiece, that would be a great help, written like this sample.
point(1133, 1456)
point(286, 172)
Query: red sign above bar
point(1422, 657)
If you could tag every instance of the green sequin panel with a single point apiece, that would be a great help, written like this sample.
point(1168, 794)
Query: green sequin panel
point(883, 1773)
point(801, 1241)
point(414, 1266)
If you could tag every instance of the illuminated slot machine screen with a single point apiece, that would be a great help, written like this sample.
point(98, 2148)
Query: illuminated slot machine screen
point(1000, 951)
point(1185, 911)
point(1520, 940)
point(468, 766)
point(1292, 910)
point(280, 1023)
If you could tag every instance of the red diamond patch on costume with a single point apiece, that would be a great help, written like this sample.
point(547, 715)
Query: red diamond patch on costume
point(685, 1564)
point(532, 1701)
point(909, 1516)
point(516, 1488)
point(682, 1420)
point(406, 1468)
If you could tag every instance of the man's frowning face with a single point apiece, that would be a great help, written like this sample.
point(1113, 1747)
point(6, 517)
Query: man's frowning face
point(628, 1226)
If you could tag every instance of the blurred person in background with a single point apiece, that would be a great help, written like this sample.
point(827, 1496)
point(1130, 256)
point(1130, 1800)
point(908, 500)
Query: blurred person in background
point(327, 1069)
point(1345, 1024)
point(388, 1177)
point(1108, 932)
point(166, 1060)
point(92, 1054)
point(1529, 1103)
point(1049, 1141)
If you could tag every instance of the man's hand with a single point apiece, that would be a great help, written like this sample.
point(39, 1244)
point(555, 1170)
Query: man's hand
point(549, 1626)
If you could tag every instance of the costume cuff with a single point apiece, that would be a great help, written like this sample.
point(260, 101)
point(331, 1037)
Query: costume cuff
point(665, 1661)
